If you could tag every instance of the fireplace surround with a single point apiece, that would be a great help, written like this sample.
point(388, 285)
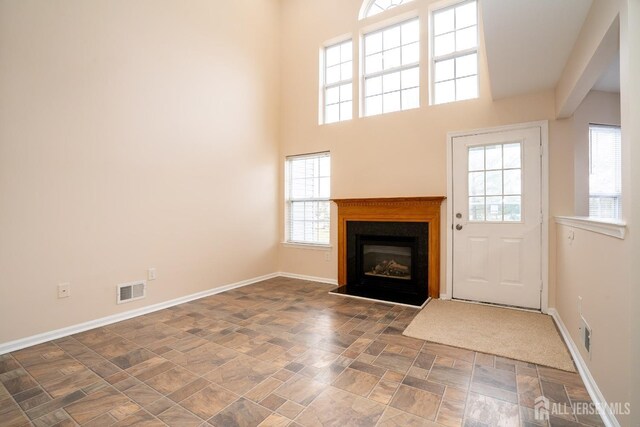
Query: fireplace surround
point(389, 249)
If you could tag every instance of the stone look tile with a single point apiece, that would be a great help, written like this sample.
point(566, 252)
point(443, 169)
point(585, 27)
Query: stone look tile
point(356, 382)
point(300, 389)
point(335, 407)
point(416, 402)
point(242, 412)
point(492, 411)
point(280, 352)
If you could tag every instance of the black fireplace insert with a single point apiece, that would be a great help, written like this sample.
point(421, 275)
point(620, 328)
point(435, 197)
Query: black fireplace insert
point(387, 261)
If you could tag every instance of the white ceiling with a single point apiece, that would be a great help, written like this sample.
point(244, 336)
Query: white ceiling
point(528, 42)
point(609, 81)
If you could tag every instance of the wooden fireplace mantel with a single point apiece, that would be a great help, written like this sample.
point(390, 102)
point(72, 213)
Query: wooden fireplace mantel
point(396, 209)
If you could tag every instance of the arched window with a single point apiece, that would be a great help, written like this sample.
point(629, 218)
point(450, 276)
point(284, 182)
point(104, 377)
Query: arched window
point(373, 7)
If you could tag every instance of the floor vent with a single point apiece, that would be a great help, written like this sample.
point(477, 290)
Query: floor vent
point(131, 291)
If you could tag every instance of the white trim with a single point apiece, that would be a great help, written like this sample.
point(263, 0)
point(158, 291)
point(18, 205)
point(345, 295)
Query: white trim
point(617, 229)
point(608, 418)
point(81, 327)
point(311, 246)
point(447, 292)
point(309, 278)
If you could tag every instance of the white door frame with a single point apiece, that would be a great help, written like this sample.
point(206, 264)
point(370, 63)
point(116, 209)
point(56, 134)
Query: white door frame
point(544, 254)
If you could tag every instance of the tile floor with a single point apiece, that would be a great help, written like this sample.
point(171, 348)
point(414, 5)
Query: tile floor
point(278, 353)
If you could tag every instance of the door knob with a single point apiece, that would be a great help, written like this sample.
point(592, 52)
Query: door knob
point(459, 227)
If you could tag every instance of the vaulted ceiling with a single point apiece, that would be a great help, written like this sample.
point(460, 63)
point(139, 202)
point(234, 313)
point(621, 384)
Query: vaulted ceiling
point(528, 42)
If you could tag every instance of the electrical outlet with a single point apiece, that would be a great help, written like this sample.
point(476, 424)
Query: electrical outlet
point(64, 290)
point(151, 274)
point(327, 256)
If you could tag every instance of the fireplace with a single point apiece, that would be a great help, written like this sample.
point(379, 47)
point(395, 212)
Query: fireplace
point(388, 260)
point(388, 249)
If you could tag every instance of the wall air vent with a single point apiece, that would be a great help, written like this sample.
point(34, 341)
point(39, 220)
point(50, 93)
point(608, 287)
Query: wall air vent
point(131, 291)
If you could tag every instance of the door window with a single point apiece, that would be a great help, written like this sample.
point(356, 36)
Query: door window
point(495, 182)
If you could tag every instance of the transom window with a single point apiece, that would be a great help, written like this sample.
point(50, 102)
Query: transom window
point(605, 172)
point(379, 6)
point(495, 183)
point(308, 181)
point(454, 43)
point(392, 69)
point(338, 82)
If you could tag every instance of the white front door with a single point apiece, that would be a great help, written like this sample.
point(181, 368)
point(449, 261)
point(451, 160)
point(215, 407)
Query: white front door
point(497, 217)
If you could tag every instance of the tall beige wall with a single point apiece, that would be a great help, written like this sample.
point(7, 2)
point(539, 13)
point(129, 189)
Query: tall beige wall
point(593, 266)
point(398, 154)
point(133, 134)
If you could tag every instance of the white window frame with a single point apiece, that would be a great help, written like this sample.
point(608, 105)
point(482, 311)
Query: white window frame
point(326, 86)
point(617, 196)
point(383, 72)
point(290, 201)
point(367, 6)
point(441, 7)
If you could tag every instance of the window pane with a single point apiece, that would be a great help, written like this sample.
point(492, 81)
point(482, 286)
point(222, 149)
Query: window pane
point(410, 78)
point(494, 183)
point(346, 71)
point(443, 22)
point(308, 178)
point(511, 155)
point(346, 51)
point(467, 65)
point(476, 184)
point(391, 82)
point(467, 38)
point(332, 95)
point(445, 92)
point(467, 88)
point(444, 44)
point(346, 110)
point(494, 208)
point(476, 209)
point(333, 55)
point(332, 113)
point(466, 15)
point(373, 86)
point(324, 187)
point(512, 208)
point(373, 43)
point(373, 105)
point(391, 38)
point(410, 98)
point(333, 74)
point(494, 156)
point(410, 53)
point(411, 31)
point(476, 158)
point(391, 102)
point(392, 58)
point(513, 182)
point(605, 172)
point(444, 70)
point(346, 92)
point(373, 63)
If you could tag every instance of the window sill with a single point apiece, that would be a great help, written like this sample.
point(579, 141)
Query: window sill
point(611, 228)
point(310, 246)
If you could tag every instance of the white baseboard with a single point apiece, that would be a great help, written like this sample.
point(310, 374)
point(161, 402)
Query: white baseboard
point(70, 330)
point(596, 395)
point(309, 278)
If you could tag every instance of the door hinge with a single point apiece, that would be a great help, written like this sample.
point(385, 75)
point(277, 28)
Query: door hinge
point(541, 285)
point(541, 150)
point(541, 217)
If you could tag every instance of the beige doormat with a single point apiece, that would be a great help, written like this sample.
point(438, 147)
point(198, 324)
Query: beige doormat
point(516, 334)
